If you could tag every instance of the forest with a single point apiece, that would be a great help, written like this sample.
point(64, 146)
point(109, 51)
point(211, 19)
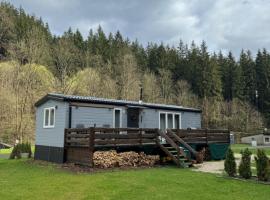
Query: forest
point(233, 91)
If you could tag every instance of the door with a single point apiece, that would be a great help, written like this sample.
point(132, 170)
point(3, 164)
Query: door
point(133, 115)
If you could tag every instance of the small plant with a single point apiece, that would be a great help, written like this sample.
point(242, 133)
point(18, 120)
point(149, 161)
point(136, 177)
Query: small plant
point(262, 165)
point(230, 164)
point(245, 166)
point(19, 149)
point(16, 152)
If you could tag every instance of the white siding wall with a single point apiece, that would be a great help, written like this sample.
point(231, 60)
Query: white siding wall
point(150, 118)
point(89, 116)
point(52, 136)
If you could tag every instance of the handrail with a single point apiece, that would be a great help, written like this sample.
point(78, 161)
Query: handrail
point(97, 129)
point(172, 143)
point(183, 142)
point(168, 139)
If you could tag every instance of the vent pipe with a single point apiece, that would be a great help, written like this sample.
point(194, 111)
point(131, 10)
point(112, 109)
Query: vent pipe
point(141, 94)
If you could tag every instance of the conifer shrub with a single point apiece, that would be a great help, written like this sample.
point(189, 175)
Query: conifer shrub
point(262, 165)
point(16, 152)
point(19, 149)
point(245, 164)
point(230, 164)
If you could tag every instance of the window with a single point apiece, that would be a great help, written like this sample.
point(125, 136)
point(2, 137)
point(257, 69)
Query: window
point(177, 121)
point(49, 117)
point(266, 140)
point(117, 121)
point(162, 121)
point(169, 120)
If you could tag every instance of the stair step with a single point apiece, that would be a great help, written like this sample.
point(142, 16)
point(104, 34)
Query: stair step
point(186, 164)
point(183, 159)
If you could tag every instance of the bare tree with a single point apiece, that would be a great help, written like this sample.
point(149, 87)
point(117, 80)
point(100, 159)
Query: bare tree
point(166, 85)
point(128, 77)
point(151, 91)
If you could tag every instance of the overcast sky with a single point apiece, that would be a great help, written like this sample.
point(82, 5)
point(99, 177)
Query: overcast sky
point(223, 24)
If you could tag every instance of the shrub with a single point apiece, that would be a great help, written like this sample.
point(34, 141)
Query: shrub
point(262, 165)
point(21, 148)
point(245, 166)
point(16, 152)
point(230, 164)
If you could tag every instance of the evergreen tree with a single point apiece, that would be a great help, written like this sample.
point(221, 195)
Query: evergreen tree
point(7, 29)
point(152, 54)
point(230, 164)
point(231, 78)
point(245, 166)
point(248, 78)
point(140, 55)
point(207, 78)
point(263, 83)
point(262, 165)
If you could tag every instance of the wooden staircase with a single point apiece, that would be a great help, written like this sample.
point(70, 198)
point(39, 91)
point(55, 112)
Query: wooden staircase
point(172, 148)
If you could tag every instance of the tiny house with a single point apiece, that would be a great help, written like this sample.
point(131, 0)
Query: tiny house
point(56, 112)
point(259, 139)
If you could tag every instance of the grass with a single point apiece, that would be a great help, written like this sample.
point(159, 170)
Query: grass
point(24, 180)
point(238, 147)
point(8, 151)
point(5, 151)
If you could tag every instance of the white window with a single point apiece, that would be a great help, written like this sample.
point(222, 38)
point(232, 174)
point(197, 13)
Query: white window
point(267, 140)
point(117, 118)
point(49, 117)
point(168, 120)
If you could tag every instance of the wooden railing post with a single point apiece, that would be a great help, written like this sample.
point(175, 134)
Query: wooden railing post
point(92, 146)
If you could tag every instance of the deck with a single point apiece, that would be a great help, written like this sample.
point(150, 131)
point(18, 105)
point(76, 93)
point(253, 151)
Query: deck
point(80, 144)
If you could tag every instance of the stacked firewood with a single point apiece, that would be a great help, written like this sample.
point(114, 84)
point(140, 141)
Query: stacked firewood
point(110, 159)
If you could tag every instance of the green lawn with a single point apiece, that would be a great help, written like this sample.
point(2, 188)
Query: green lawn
point(8, 151)
point(5, 151)
point(238, 147)
point(22, 180)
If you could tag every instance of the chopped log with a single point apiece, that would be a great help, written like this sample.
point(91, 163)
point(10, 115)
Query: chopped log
point(110, 159)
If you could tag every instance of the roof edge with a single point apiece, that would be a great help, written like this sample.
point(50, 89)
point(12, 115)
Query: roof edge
point(46, 98)
point(60, 97)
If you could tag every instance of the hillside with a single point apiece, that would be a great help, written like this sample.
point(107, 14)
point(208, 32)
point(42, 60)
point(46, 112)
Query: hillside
point(233, 93)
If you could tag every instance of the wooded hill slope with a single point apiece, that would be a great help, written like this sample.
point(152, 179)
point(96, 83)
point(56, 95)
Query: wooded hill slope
point(35, 62)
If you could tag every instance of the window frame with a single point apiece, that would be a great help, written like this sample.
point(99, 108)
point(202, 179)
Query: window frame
point(49, 117)
point(120, 109)
point(173, 118)
point(180, 124)
point(267, 139)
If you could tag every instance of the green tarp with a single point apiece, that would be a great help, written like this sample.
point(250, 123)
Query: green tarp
point(218, 151)
point(189, 155)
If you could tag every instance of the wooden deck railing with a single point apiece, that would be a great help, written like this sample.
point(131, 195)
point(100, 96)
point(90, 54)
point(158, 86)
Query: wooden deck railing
point(203, 136)
point(108, 137)
point(80, 144)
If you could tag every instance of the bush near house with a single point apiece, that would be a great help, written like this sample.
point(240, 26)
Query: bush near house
point(230, 164)
point(245, 164)
point(19, 149)
point(262, 165)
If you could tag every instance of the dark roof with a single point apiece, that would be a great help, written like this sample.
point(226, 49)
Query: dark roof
point(89, 99)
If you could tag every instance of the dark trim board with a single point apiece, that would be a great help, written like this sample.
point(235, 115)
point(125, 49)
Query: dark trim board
point(49, 153)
